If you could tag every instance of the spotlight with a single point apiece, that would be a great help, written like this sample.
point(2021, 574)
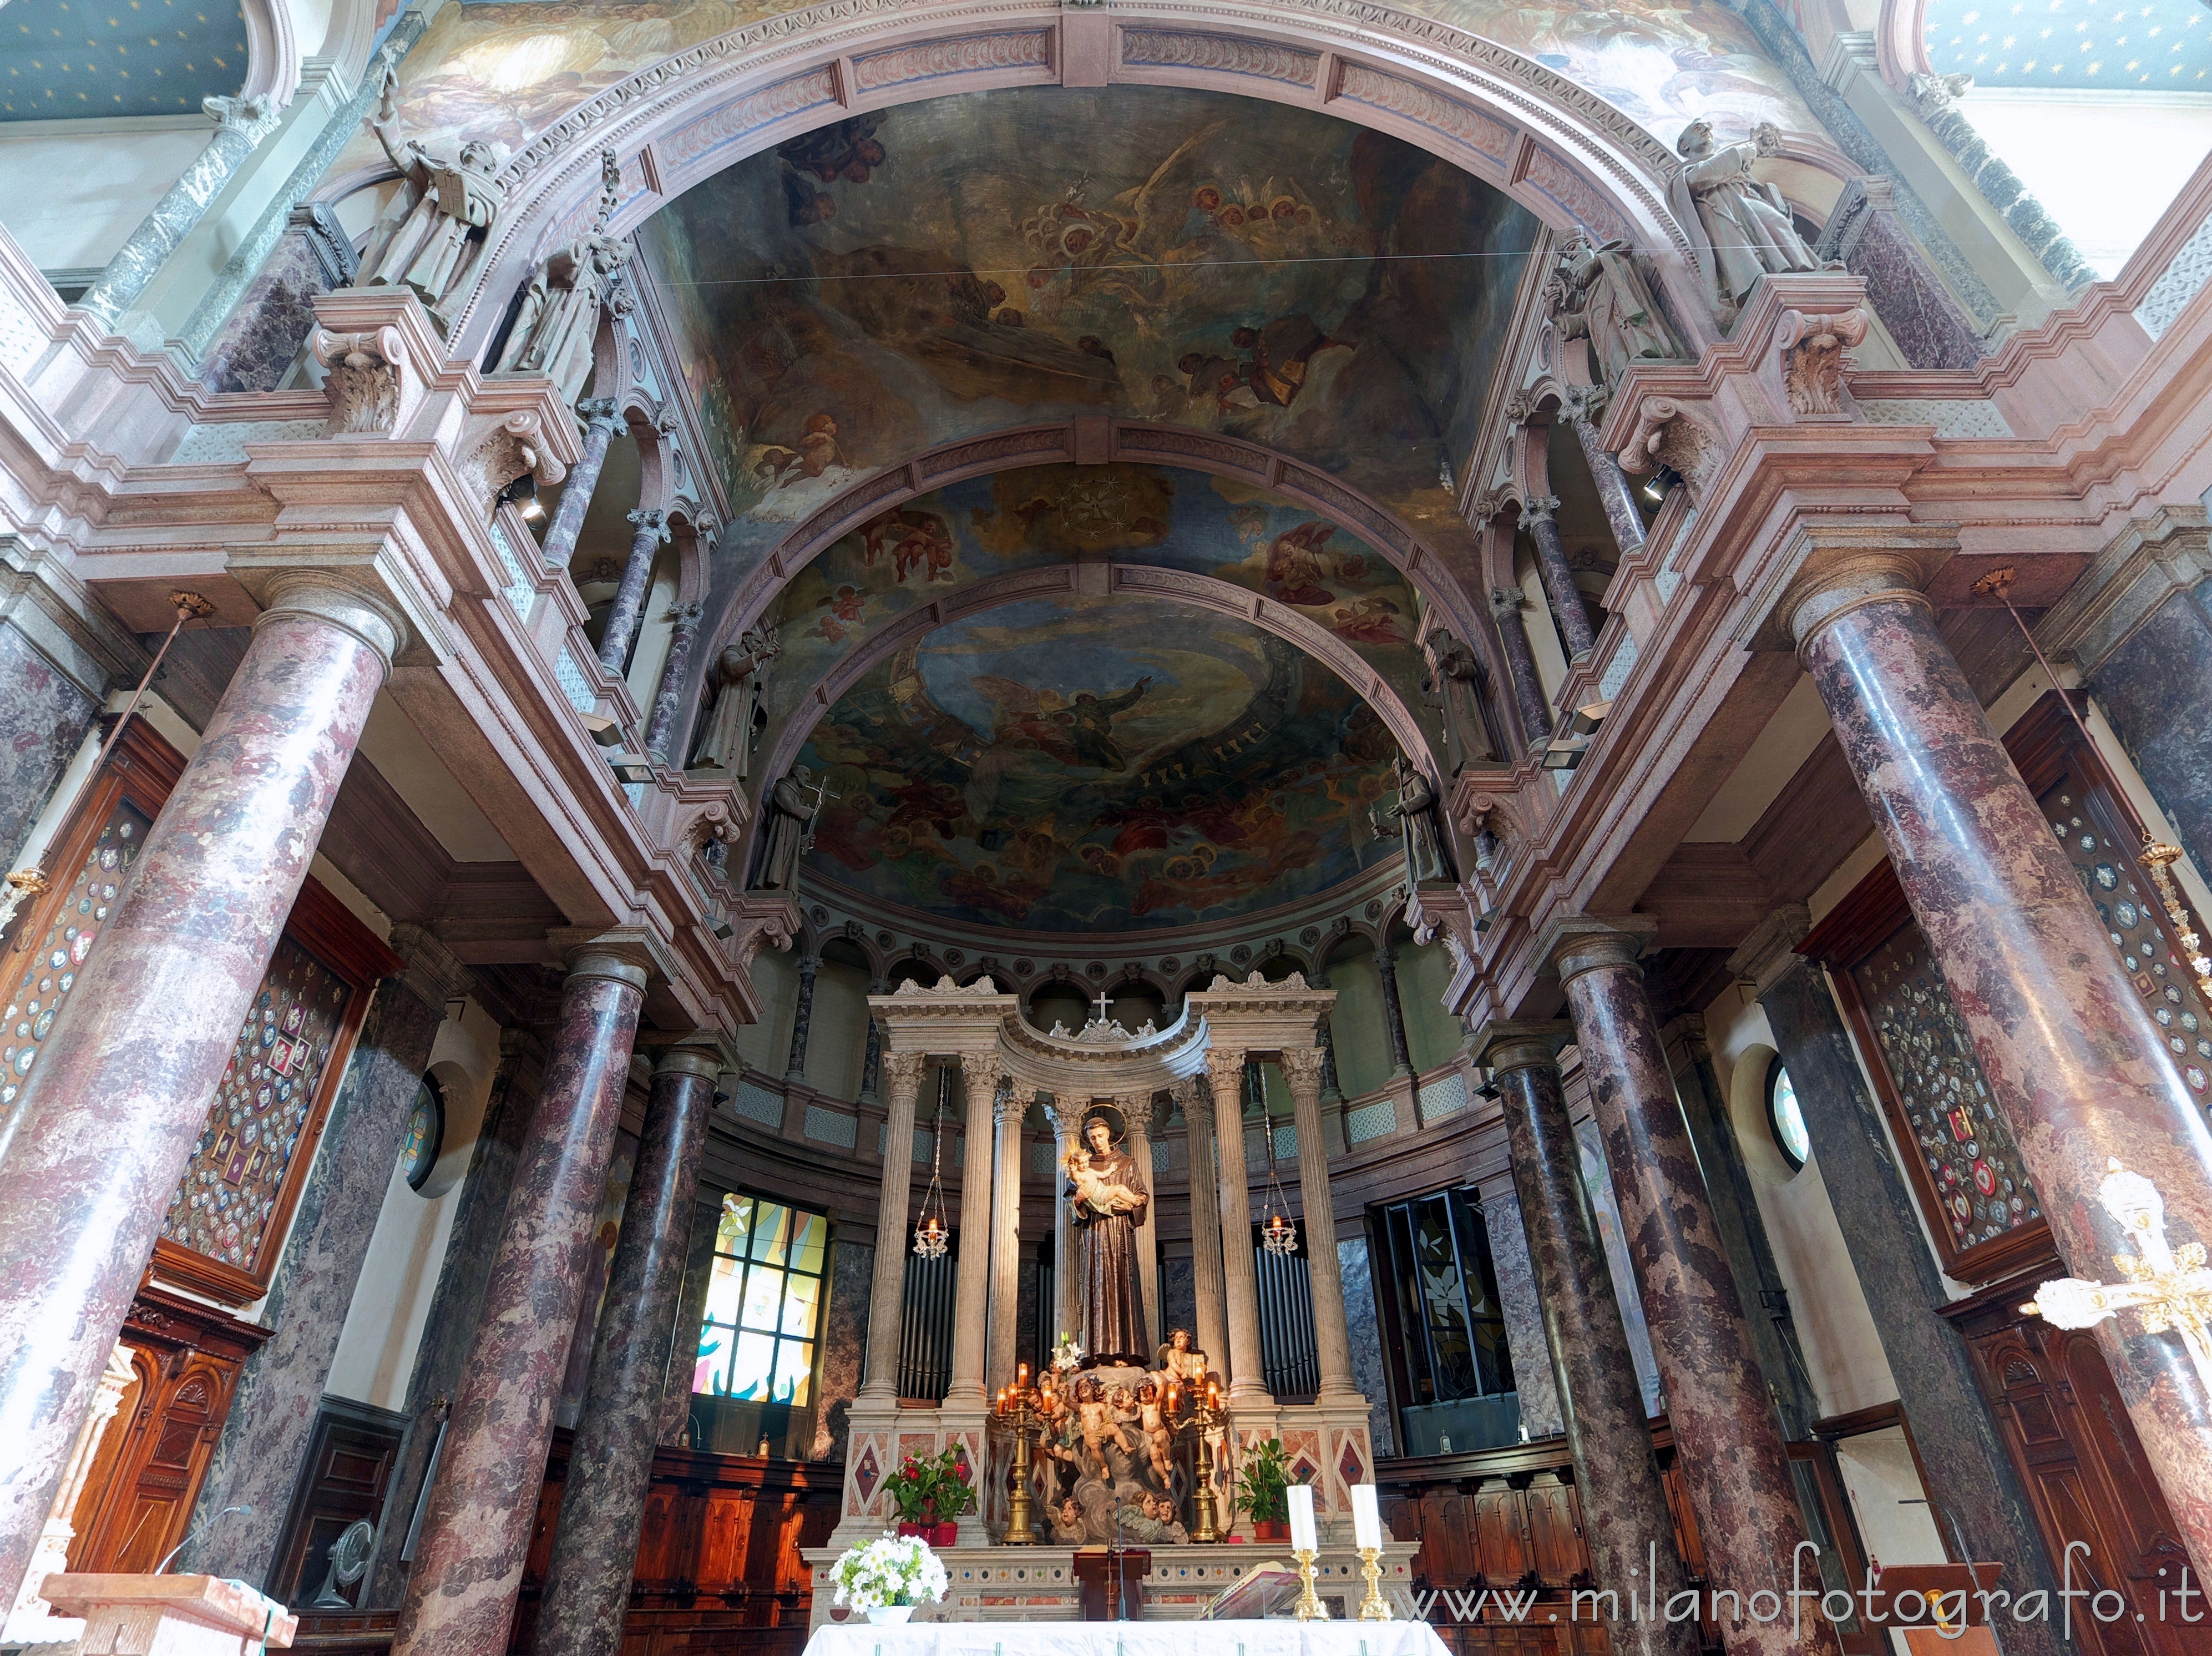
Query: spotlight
point(523, 493)
point(627, 768)
point(1655, 487)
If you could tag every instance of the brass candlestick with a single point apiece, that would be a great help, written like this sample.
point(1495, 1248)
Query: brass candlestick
point(1018, 1533)
point(1204, 1418)
point(1017, 1410)
point(1372, 1607)
point(1309, 1607)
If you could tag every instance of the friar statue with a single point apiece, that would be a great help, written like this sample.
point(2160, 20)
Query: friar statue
point(1456, 674)
point(558, 323)
point(739, 710)
point(791, 806)
point(1416, 810)
point(426, 235)
point(1600, 295)
point(1106, 1199)
point(1739, 228)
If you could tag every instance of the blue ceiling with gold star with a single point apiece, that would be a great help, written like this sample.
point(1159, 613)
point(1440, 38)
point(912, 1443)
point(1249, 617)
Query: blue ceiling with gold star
point(79, 59)
point(2082, 45)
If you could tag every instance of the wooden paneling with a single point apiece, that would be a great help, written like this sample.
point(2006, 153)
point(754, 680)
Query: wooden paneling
point(348, 1467)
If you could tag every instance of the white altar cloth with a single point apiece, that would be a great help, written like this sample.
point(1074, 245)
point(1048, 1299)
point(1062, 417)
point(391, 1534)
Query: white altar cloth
point(1178, 1638)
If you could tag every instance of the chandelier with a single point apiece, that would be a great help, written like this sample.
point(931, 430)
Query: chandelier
point(931, 1231)
point(1279, 1236)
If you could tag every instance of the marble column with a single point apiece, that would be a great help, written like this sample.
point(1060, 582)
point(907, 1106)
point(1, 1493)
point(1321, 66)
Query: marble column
point(1506, 603)
point(1568, 607)
point(1615, 492)
point(610, 1465)
point(1302, 1070)
point(241, 124)
point(880, 1381)
point(1728, 1449)
point(1247, 1380)
point(971, 1281)
point(802, 1019)
point(1066, 1115)
point(266, 1436)
point(872, 1056)
point(2075, 1066)
point(1137, 1110)
point(1008, 1107)
point(690, 1318)
point(583, 478)
point(1953, 1429)
point(1626, 1520)
point(109, 1118)
point(628, 607)
point(476, 1530)
point(1209, 1294)
point(667, 699)
point(1524, 1314)
point(1394, 1011)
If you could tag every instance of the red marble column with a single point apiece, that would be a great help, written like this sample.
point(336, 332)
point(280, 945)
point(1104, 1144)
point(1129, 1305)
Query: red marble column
point(630, 597)
point(611, 1467)
point(111, 1112)
point(1727, 1446)
point(661, 727)
point(2075, 1064)
point(1506, 605)
point(1568, 605)
point(1625, 1518)
point(583, 478)
point(476, 1532)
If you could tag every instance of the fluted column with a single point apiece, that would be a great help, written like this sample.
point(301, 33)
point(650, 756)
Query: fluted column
point(583, 478)
point(1247, 1381)
point(802, 1019)
point(971, 1282)
point(903, 1077)
point(610, 1465)
point(1506, 603)
point(1626, 1520)
point(667, 698)
point(1066, 1118)
point(2075, 1066)
point(100, 1136)
point(1394, 1011)
point(1008, 1106)
point(1137, 1111)
point(1332, 1337)
point(476, 1531)
point(1567, 604)
point(1209, 1294)
point(1728, 1450)
point(630, 597)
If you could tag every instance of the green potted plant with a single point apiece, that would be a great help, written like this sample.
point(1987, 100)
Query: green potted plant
point(1263, 1486)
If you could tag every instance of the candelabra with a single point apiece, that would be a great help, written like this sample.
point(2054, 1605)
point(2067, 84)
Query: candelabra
point(1309, 1607)
point(1203, 1417)
point(1022, 1410)
point(1372, 1608)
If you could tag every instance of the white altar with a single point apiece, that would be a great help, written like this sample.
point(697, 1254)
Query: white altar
point(1133, 1639)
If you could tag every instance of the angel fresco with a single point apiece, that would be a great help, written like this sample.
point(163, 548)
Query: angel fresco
point(908, 541)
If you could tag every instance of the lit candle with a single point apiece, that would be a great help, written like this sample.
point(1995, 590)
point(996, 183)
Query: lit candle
point(1366, 1518)
point(1303, 1538)
point(1021, 1375)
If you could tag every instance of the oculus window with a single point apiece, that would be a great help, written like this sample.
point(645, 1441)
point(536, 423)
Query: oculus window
point(1783, 1118)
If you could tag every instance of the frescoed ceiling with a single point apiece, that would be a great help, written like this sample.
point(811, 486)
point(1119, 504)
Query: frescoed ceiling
point(1086, 765)
point(78, 59)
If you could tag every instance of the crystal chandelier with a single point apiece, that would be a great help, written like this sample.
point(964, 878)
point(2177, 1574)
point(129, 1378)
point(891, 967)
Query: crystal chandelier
point(931, 1231)
point(1279, 1236)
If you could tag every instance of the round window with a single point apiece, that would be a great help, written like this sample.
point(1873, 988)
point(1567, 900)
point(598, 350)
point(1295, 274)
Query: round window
point(426, 1134)
point(1786, 1121)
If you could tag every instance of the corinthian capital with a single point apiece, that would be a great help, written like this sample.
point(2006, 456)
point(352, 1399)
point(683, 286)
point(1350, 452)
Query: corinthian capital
point(901, 1072)
point(1302, 1068)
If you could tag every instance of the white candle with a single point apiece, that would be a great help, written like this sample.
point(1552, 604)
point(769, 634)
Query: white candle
point(1366, 1518)
point(1303, 1538)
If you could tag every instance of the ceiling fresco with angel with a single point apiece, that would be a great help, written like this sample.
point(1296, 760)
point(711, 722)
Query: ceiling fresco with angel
point(1083, 764)
point(908, 277)
point(954, 538)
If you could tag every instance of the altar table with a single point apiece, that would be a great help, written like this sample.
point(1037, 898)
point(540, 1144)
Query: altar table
point(1284, 1638)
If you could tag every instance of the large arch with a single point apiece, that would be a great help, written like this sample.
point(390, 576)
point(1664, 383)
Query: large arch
point(1570, 158)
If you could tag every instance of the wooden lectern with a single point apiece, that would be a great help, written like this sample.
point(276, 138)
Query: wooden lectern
point(171, 1615)
point(1952, 1587)
point(1095, 1572)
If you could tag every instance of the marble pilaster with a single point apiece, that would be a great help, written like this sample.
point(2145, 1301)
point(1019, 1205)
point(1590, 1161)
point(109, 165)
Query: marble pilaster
point(1209, 1292)
point(1247, 1381)
point(871, 1054)
point(1394, 1011)
point(651, 531)
point(1506, 603)
point(1008, 1106)
point(1137, 1111)
point(108, 1120)
point(2075, 1066)
point(844, 1345)
point(266, 1434)
point(668, 696)
point(1524, 1315)
point(971, 1281)
point(1568, 608)
point(1363, 1319)
point(260, 341)
point(690, 1318)
point(1332, 1336)
point(476, 1530)
point(610, 1466)
point(902, 1077)
point(1728, 1452)
point(802, 1018)
point(2155, 686)
point(1626, 1520)
point(583, 478)
point(44, 716)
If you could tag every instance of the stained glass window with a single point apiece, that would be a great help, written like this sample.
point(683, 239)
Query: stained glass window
point(1784, 1119)
point(763, 1303)
point(426, 1133)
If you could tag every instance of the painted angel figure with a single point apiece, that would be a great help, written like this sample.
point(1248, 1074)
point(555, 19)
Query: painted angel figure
point(427, 236)
point(1740, 228)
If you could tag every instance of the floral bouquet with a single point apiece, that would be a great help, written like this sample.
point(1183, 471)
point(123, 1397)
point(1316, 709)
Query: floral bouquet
point(889, 1574)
